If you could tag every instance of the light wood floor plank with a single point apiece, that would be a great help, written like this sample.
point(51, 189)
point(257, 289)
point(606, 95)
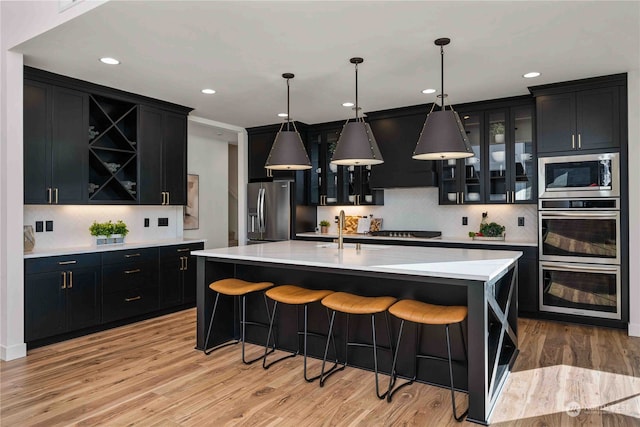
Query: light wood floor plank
point(148, 374)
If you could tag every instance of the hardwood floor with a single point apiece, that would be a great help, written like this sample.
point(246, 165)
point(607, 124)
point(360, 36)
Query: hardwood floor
point(149, 374)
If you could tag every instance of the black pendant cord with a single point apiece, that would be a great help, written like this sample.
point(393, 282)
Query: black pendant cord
point(288, 116)
point(356, 92)
point(442, 75)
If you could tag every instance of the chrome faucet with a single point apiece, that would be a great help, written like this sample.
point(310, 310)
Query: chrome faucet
point(340, 229)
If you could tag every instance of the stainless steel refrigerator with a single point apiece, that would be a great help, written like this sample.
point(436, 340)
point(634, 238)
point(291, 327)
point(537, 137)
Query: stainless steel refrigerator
point(269, 208)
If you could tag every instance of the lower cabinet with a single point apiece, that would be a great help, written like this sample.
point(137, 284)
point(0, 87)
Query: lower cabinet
point(130, 284)
point(65, 295)
point(178, 274)
point(62, 294)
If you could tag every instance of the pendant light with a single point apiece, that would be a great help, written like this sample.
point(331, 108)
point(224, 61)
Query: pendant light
point(443, 135)
point(288, 151)
point(356, 145)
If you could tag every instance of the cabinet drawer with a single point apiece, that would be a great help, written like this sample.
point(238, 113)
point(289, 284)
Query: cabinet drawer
point(43, 265)
point(130, 255)
point(127, 276)
point(180, 250)
point(133, 302)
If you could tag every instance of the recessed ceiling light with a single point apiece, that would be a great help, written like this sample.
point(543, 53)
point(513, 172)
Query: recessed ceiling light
point(531, 75)
point(208, 91)
point(427, 91)
point(110, 61)
point(282, 114)
point(348, 104)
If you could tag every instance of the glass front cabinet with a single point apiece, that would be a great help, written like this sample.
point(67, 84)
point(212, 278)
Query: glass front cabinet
point(337, 185)
point(502, 169)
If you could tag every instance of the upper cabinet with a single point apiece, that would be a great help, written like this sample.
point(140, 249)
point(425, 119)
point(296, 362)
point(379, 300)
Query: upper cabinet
point(55, 144)
point(581, 115)
point(397, 132)
point(163, 157)
point(503, 168)
point(85, 143)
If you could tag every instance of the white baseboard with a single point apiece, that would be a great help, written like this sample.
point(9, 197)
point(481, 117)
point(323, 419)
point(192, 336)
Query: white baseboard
point(634, 329)
point(13, 352)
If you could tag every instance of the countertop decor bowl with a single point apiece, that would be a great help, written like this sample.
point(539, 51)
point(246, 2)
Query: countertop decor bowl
point(498, 156)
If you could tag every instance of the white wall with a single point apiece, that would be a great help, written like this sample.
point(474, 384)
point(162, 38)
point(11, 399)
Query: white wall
point(208, 158)
point(71, 223)
point(634, 201)
point(233, 189)
point(19, 21)
point(418, 209)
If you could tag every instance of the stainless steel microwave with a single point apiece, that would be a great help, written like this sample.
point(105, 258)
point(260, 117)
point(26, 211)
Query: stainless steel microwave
point(585, 175)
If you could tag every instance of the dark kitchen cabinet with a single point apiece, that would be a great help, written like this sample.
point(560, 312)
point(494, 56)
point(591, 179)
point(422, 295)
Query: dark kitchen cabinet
point(503, 168)
point(130, 283)
point(329, 184)
point(397, 132)
point(162, 150)
point(55, 145)
point(62, 294)
point(581, 115)
point(178, 274)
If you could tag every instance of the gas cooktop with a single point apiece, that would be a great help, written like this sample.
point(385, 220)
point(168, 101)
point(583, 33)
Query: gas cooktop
point(407, 233)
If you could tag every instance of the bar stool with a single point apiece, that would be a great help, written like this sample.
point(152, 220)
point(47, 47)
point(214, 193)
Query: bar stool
point(422, 313)
point(355, 304)
point(240, 289)
point(294, 295)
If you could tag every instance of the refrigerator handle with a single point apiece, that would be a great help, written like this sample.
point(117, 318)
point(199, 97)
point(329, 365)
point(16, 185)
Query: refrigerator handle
point(261, 225)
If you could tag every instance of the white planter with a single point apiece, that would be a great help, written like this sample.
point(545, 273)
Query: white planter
point(499, 137)
point(109, 240)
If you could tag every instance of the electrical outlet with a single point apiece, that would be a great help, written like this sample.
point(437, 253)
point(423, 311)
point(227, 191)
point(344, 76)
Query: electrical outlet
point(163, 222)
point(520, 221)
point(49, 225)
point(39, 226)
point(465, 220)
point(146, 222)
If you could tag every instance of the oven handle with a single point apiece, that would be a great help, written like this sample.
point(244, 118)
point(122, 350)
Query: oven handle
point(582, 267)
point(579, 214)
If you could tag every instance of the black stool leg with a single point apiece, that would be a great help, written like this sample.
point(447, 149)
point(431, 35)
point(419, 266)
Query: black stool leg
point(375, 357)
point(266, 365)
point(206, 341)
point(393, 379)
point(324, 375)
point(453, 399)
point(243, 333)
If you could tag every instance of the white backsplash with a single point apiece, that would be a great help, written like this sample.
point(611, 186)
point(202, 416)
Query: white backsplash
point(418, 209)
point(71, 223)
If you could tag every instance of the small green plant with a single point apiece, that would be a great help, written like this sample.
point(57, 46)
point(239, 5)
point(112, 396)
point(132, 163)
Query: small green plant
point(497, 128)
point(120, 228)
point(108, 228)
point(324, 223)
point(101, 228)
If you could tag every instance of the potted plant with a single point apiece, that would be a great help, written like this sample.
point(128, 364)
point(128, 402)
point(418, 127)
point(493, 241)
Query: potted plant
point(324, 226)
point(497, 132)
point(108, 232)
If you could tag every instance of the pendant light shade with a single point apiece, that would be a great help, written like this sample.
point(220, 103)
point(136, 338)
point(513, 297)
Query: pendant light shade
point(356, 145)
point(443, 135)
point(288, 151)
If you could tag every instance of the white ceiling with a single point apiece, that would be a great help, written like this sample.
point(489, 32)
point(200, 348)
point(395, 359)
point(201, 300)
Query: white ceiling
point(170, 50)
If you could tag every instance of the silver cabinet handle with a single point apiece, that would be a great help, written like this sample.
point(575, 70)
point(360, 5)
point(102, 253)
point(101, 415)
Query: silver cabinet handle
point(56, 195)
point(49, 195)
point(507, 196)
point(131, 255)
point(579, 142)
point(132, 299)
point(169, 197)
point(182, 250)
point(186, 263)
point(573, 141)
point(70, 280)
point(66, 262)
point(462, 197)
point(64, 280)
point(513, 196)
point(136, 270)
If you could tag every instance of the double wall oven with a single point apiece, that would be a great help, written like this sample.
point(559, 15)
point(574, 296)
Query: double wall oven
point(579, 235)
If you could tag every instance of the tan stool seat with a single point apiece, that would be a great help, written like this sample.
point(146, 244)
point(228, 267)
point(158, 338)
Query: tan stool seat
point(238, 286)
point(428, 314)
point(295, 295)
point(356, 304)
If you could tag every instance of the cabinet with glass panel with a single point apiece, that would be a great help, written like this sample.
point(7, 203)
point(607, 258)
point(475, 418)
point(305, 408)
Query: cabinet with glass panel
point(502, 169)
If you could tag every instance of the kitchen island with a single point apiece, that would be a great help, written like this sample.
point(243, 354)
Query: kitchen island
point(482, 280)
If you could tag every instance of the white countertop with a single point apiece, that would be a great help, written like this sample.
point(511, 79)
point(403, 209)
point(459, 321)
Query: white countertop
point(467, 264)
point(444, 239)
point(36, 253)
